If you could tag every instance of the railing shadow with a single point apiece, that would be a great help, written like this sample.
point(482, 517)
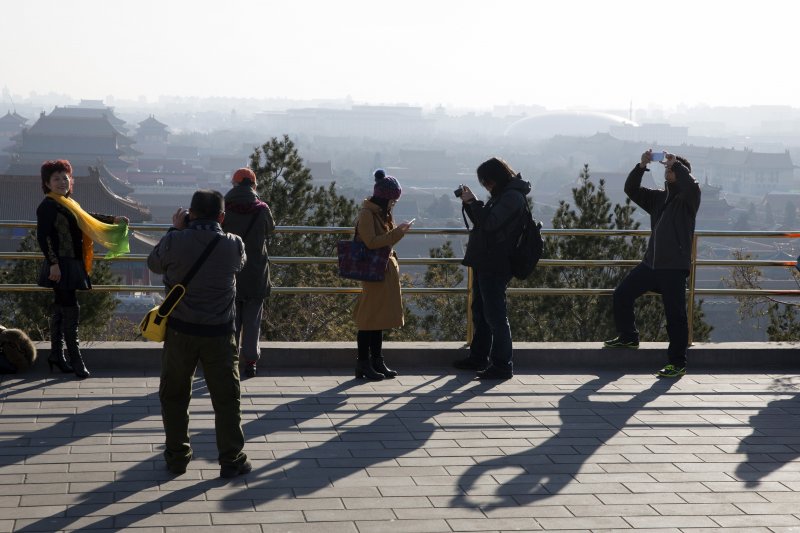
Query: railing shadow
point(543, 477)
point(775, 440)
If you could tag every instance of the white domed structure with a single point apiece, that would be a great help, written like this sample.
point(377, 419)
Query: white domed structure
point(571, 123)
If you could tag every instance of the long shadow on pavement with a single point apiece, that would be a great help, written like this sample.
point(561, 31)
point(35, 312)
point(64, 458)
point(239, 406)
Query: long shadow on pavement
point(295, 474)
point(775, 440)
point(553, 464)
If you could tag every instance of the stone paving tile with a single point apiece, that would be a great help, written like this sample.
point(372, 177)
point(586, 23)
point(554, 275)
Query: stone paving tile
point(605, 452)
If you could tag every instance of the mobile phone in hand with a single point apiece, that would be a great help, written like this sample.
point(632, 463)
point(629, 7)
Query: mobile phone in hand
point(657, 156)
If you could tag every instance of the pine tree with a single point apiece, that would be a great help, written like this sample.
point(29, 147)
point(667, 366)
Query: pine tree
point(285, 183)
point(443, 315)
point(783, 324)
point(30, 311)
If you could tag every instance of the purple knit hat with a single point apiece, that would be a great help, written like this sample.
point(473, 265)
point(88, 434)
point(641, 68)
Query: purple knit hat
point(387, 188)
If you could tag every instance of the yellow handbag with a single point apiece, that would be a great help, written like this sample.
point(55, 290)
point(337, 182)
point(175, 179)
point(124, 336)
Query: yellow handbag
point(153, 326)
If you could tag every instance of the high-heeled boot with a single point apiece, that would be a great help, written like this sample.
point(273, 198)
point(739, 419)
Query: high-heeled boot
point(380, 366)
point(71, 317)
point(364, 370)
point(56, 358)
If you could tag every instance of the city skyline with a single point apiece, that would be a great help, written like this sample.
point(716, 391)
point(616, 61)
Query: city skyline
point(464, 54)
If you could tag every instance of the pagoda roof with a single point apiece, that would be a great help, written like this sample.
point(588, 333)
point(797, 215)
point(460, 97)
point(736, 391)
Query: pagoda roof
point(69, 146)
point(119, 186)
point(86, 126)
point(150, 123)
point(89, 112)
point(14, 119)
point(23, 193)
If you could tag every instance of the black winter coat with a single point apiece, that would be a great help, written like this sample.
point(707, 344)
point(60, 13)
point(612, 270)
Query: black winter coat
point(497, 224)
point(672, 217)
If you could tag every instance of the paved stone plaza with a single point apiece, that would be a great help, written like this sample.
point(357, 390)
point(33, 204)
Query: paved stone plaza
point(427, 452)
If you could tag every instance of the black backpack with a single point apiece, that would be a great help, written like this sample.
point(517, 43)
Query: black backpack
point(528, 248)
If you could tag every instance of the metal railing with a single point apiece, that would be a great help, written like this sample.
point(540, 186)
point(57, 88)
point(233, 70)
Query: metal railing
point(539, 291)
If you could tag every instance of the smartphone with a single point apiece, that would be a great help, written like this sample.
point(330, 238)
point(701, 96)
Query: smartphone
point(657, 156)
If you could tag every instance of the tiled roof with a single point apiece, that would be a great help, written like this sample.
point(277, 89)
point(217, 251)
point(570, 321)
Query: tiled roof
point(22, 194)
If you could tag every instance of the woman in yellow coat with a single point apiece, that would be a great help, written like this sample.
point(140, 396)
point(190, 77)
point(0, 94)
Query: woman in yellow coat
point(379, 305)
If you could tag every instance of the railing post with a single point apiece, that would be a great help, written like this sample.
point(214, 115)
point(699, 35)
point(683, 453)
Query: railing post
point(470, 332)
point(692, 272)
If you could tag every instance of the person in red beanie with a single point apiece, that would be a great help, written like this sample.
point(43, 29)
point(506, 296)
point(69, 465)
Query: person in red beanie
point(249, 217)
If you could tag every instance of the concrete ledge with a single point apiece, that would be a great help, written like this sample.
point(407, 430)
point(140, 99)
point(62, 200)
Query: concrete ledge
point(528, 356)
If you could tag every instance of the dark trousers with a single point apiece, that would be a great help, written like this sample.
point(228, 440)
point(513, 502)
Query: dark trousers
point(220, 361)
point(671, 285)
point(491, 338)
point(248, 327)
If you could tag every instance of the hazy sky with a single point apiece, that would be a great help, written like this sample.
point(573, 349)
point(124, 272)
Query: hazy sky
point(478, 53)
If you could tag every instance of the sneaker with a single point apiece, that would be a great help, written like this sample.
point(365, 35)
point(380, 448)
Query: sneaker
point(470, 363)
point(229, 471)
point(617, 342)
point(250, 369)
point(672, 371)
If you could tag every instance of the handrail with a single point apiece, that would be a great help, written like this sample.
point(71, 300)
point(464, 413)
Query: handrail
point(537, 291)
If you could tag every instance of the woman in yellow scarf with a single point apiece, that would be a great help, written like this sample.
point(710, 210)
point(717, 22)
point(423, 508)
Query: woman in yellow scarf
point(66, 234)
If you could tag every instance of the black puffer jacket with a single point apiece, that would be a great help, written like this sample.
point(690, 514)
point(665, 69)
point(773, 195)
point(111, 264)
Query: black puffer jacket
point(672, 217)
point(497, 224)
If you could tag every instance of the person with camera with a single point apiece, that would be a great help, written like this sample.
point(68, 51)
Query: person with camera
point(201, 330)
point(379, 305)
point(496, 226)
point(250, 218)
point(668, 258)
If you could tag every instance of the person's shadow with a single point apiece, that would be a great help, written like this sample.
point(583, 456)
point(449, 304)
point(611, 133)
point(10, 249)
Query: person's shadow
point(772, 425)
point(592, 422)
point(297, 473)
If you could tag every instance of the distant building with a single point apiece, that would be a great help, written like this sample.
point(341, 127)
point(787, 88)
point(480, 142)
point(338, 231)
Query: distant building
point(655, 134)
point(152, 137)
point(571, 123)
point(85, 136)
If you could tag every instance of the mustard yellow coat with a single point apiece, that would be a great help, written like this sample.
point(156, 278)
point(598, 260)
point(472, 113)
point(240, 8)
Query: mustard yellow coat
point(380, 304)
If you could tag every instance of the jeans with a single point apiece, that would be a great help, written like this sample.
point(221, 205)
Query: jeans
point(491, 339)
point(671, 285)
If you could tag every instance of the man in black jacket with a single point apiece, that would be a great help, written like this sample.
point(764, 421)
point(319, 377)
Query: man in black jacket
point(667, 260)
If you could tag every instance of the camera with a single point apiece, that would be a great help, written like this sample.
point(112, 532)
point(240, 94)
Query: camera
point(657, 156)
point(186, 219)
point(458, 192)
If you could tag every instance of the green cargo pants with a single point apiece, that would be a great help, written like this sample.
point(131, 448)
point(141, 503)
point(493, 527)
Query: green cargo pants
point(220, 361)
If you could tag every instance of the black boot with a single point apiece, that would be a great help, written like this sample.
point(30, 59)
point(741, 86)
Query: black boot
point(56, 358)
point(364, 370)
point(380, 366)
point(71, 318)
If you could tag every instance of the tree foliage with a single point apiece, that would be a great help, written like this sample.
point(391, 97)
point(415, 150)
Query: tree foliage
point(780, 316)
point(443, 316)
point(30, 311)
point(285, 183)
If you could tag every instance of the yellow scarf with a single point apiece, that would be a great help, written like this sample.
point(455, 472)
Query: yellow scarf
point(113, 237)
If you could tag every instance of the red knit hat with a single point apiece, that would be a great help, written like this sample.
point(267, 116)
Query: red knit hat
point(244, 174)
